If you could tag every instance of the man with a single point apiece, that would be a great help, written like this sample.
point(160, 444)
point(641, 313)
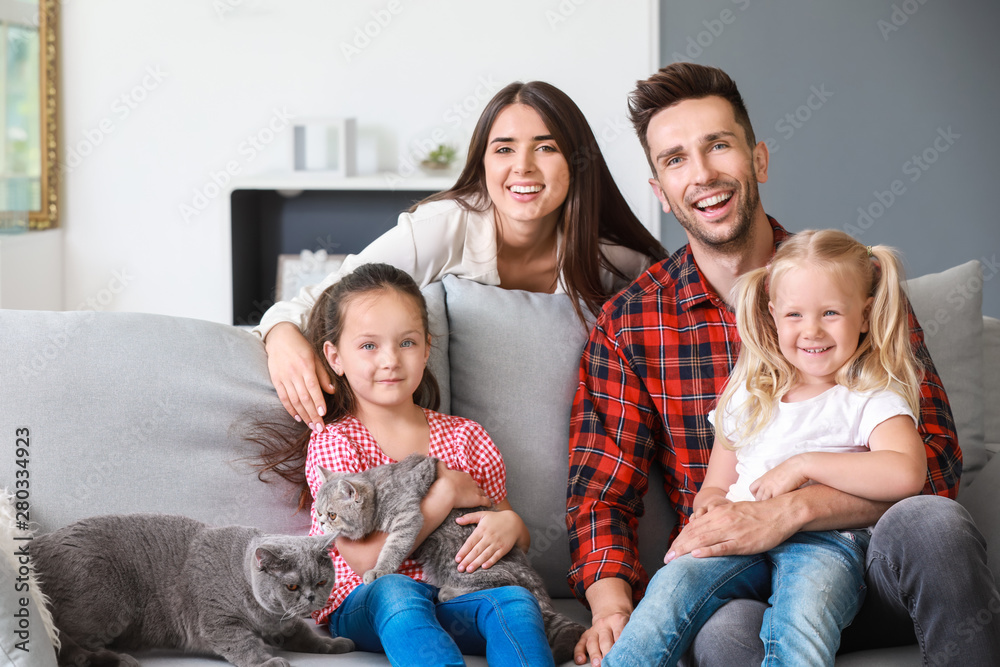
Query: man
point(659, 355)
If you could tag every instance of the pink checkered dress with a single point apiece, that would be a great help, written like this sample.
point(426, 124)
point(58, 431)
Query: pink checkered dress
point(347, 446)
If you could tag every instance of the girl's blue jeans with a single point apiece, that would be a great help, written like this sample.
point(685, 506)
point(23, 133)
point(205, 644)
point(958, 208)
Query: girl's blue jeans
point(813, 583)
point(402, 618)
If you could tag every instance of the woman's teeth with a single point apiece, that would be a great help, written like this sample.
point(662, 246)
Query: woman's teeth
point(525, 189)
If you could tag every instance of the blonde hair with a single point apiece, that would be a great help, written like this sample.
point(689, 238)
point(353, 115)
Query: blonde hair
point(884, 358)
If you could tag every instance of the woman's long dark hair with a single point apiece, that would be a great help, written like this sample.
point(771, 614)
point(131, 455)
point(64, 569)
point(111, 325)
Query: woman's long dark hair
point(595, 209)
point(285, 445)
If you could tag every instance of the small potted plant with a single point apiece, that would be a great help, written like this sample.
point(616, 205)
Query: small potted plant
point(439, 159)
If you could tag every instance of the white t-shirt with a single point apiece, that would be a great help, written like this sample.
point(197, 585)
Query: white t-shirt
point(838, 420)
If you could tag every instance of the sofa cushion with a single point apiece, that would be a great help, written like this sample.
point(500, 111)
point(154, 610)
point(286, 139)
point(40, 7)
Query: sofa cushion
point(438, 322)
point(132, 412)
point(515, 359)
point(949, 306)
point(991, 384)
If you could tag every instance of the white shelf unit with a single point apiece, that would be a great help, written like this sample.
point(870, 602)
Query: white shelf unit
point(297, 181)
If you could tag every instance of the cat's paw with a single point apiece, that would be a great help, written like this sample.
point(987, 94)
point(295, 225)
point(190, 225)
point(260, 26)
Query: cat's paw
point(372, 575)
point(337, 645)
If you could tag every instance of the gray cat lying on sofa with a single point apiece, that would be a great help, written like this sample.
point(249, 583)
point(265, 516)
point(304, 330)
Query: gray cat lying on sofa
point(141, 413)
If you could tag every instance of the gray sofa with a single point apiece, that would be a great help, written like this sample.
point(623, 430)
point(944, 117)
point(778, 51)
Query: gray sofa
point(142, 413)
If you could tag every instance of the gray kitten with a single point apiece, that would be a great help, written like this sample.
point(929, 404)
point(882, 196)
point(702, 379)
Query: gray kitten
point(387, 498)
point(144, 581)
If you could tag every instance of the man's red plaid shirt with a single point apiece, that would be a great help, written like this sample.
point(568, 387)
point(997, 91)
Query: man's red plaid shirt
point(656, 360)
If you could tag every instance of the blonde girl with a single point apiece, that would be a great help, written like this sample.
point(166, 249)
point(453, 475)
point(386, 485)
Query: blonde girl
point(825, 390)
point(371, 331)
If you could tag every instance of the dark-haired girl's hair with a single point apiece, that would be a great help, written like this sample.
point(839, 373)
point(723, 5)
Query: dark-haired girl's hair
point(284, 445)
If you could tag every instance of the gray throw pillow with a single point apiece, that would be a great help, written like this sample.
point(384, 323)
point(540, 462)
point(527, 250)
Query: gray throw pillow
point(515, 359)
point(949, 306)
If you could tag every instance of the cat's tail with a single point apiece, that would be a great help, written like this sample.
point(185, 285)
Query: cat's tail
point(10, 541)
point(561, 631)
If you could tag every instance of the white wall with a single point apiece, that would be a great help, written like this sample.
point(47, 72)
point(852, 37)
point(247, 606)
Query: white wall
point(160, 96)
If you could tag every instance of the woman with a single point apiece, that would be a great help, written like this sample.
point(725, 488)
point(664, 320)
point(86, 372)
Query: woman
point(535, 208)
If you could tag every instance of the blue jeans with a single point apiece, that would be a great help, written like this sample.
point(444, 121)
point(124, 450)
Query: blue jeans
point(814, 584)
point(928, 582)
point(401, 617)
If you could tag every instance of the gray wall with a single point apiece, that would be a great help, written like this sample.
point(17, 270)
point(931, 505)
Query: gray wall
point(890, 106)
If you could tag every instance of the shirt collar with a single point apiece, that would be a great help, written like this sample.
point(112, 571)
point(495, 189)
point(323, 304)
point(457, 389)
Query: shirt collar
point(692, 290)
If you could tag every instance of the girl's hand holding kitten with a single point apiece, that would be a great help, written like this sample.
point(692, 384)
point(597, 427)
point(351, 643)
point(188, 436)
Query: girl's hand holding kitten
point(496, 533)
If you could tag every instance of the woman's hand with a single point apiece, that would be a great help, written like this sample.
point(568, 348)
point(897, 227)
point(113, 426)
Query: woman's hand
point(496, 533)
point(297, 374)
point(463, 490)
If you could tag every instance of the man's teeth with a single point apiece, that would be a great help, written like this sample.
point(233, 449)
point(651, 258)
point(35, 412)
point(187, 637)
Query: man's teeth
point(525, 189)
point(712, 201)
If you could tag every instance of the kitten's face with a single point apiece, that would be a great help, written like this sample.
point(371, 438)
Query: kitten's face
point(292, 576)
point(345, 506)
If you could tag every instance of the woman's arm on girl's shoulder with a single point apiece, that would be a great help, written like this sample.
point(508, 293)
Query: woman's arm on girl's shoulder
point(895, 468)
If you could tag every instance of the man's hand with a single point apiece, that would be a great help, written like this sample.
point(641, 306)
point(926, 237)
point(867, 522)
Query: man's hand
point(782, 478)
point(611, 602)
point(736, 528)
point(297, 374)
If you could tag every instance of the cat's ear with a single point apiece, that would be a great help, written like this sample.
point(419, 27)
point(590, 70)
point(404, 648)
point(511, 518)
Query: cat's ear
point(324, 474)
point(323, 543)
point(268, 561)
point(348, 491)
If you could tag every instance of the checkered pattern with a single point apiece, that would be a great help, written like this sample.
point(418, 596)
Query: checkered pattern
point(656, 360)
point(347, 446)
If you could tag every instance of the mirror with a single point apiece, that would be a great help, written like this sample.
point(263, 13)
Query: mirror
point(28, 138)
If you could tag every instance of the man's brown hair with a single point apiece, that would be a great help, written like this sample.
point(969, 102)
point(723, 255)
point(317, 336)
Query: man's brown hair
point(678, 82)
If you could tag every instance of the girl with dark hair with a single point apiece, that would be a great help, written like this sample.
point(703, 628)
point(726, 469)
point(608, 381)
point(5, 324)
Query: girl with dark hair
point(370, 331)
point(535, 208)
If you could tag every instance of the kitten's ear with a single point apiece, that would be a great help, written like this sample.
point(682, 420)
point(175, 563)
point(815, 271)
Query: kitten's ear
point(268, 561)
point(324, 473)
point(348, 491)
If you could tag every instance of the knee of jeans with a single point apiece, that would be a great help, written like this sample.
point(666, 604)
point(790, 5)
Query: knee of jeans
point(397, 591)
point(512, 595)
point(929, 522)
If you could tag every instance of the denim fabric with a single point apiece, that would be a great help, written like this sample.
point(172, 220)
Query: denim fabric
point(927, 580)
point(814, 583)
point(401, 617)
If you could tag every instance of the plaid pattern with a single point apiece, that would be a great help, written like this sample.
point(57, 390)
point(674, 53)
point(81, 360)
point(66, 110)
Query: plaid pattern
point(347, 446)
point(657, 358)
